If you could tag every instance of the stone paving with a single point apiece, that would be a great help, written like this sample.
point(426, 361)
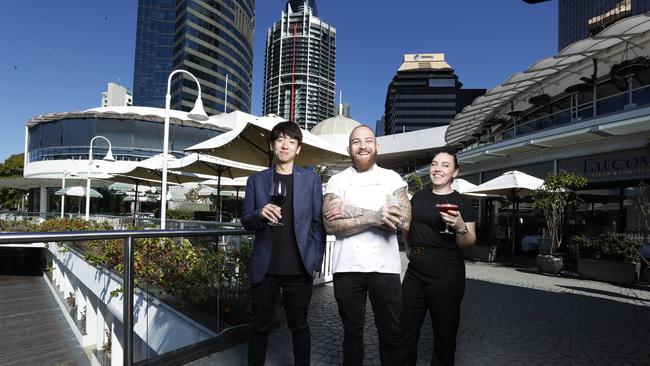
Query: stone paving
point(510, 316)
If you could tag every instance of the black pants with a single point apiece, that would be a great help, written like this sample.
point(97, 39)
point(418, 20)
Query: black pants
point(296, 294)
point(434, 282)
point(351, 290)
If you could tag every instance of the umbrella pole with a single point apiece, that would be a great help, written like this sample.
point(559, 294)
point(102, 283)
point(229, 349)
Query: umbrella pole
point(237, 203)
point(219, 194)
point(135, 202)
point(515, 206)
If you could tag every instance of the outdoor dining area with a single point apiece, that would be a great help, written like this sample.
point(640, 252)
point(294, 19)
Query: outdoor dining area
point(560, 223)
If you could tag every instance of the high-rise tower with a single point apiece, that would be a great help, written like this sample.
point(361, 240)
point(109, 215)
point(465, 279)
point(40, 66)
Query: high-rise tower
point(300, 66)
point(579, 19)
point(212, 40)
point(424, 93)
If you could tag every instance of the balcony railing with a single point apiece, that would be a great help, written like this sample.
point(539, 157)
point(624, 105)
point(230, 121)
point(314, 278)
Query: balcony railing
point(88, 282)
point(607, 105)
point(178, 296)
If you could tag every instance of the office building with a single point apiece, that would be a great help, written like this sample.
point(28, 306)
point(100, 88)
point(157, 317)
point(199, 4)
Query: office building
point(116, 96)
point(300, 66)
point(213, 41)
point(424, 93)
point(579, 19)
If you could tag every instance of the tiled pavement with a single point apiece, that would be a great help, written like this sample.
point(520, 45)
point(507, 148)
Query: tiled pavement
point(510, 316)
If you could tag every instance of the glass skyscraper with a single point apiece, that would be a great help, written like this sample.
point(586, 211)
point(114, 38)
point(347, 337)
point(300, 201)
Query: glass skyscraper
point(212, 40)
point(579, 19)
point(424, 93)
point(300, 66)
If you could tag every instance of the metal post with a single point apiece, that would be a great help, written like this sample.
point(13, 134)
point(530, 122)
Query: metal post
point(127, 301)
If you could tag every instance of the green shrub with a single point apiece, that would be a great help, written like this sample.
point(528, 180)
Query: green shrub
point(180, 215)
point(609, 246)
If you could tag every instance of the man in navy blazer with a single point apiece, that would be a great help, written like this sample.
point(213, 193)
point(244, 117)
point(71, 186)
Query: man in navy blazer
point(289, 243)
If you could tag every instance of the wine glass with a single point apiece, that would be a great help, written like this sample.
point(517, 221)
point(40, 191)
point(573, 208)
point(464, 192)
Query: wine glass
point(446, 207)
point(277, 196)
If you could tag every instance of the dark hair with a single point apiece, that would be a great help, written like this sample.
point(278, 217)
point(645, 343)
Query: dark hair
point(288, 129)
point(447, 150)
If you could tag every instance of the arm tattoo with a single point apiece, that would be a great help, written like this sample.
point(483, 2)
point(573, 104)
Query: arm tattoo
point(355, 221)
point(404, 205)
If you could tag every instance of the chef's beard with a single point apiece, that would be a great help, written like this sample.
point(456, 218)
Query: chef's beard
point(363, 164)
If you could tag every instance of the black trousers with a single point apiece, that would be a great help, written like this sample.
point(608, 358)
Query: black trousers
point(434, 282)
point(296, 294)
point(351, 290)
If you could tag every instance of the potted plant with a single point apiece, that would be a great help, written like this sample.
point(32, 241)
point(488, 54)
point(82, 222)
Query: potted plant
point(556, 198)
point(609, 257)
point(644, 207)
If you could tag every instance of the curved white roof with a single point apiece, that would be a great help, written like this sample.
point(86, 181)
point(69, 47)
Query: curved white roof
point(336, 129)
point(335, 125)
point(554, 74)
point(130, 112)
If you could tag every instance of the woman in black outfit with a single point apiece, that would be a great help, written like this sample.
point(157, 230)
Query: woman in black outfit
point(435, 277)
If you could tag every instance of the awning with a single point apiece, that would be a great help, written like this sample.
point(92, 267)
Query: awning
point(249, 143)
point(553, 75)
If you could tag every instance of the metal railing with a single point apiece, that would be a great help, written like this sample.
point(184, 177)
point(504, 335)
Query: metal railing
point(603, 106)
point(128, 277)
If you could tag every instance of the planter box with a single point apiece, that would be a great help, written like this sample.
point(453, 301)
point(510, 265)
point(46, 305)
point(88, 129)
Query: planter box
point(549, 264)
point(609, 271)
point(481, 253)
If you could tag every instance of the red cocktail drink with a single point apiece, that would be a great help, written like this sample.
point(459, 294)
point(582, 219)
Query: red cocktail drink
point(446, 207)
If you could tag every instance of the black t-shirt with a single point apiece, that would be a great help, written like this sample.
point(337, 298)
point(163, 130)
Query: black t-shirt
point(426, 223)
point(285, 255)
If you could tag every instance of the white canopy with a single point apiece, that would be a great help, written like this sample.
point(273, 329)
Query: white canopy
point(512, 183)
point(211, 165)
point(249, 143)
point(150, 171)
point(77, 191)
point(553, 75)
point(462, 186)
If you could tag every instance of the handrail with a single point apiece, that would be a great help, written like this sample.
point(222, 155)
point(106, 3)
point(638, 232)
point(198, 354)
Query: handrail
point(23, 237)
point(128, 283)
point(574, 110)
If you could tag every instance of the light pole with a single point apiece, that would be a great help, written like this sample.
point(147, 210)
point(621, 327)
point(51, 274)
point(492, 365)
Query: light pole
point(108, 157)
point(65, 174)
point(198, 114)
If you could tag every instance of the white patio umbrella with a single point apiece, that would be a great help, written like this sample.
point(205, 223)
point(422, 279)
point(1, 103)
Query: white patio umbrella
point(512, 184)
point(226, 183)
point(150, 170)
point(198, 163)
point(462, 186)
point(77, 191)
point(249, 143)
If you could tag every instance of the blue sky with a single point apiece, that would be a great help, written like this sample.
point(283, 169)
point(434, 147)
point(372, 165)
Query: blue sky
point(59, 55)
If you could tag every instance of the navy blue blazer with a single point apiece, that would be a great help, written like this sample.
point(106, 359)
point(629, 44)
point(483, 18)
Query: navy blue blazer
point(307, 216)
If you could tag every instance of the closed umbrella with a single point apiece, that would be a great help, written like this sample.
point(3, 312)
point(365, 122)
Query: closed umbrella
point(512, 184)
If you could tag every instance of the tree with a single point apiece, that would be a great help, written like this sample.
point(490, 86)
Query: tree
point(12, 167)
point(324, 173)
point(644, 203)
point(557, 198)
